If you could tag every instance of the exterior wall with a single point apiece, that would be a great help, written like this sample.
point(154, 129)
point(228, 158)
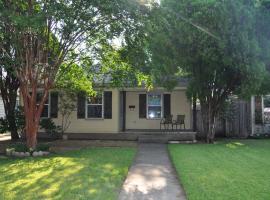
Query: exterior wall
point(95, 125)
point(2, 109)
point(259, 128)
point(179, 105)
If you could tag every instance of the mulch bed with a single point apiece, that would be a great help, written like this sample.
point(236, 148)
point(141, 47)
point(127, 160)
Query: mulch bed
point(59, 146)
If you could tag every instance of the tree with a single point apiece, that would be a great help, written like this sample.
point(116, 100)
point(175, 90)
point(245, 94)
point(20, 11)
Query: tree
point(66, 107)
point(51, 33)
point(214, 43)
point(68, 86)
point(263, 33)
point(9, 83)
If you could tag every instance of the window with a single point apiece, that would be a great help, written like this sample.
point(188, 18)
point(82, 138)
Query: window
point(46, 109)
point(94, 106)
point(154, 106)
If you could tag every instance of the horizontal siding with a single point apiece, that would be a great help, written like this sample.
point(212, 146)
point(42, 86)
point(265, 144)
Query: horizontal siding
point(180, 105)
point(2, 109)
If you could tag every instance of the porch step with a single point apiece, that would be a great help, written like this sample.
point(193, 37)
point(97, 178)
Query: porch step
point(152, 139)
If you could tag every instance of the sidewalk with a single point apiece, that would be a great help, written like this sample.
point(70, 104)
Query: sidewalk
point(151, 176)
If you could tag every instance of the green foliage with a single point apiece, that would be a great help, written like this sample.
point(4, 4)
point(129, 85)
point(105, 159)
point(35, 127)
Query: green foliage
point(3, 125)
point(19, 147)
point(117, 71)
point(49, 126)
point(19, 120)
point(263, 32)
point(51, 40)
point(213, 43)
point(74, 78)
point(42, 147)
point(22, 147)
point(66, 106)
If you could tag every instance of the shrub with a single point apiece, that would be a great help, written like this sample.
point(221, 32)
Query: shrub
point(19, 119)
point(42, 147)
point(19, 147)
point(49, 126)
point(3, 125)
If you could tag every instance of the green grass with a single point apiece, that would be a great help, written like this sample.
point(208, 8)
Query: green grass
point(95, 173)
point(230, 169)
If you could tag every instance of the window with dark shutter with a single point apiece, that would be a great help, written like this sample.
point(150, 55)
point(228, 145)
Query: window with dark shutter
point(108, 105)
point(54, 104)
point(154, 106)
point(167, 104)
point(94, 106)
point(45, 111)
point(142, 105)
point(81, 105)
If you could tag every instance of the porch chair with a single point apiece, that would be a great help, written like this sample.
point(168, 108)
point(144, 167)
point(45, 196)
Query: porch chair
point(166, 122)
point(180, 120)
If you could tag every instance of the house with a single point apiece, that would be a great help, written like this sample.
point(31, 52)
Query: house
point(260, 115)
point(2, 109)
point(122, 111)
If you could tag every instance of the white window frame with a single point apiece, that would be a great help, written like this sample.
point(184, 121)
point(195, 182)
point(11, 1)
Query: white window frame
point(161, 106)
point(49, 105)
point(102, 107)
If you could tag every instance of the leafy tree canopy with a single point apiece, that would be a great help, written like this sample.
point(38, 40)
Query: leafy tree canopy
point(215, 43)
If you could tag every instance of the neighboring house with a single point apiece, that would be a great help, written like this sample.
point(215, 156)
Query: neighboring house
point(260, 115)
point(120, 110)
point(2, 109)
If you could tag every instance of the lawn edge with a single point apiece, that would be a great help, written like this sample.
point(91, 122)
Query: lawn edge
point(175, 172)
point(124, 179)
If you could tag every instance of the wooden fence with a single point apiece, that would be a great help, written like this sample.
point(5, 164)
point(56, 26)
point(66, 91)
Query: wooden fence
point(238, 125)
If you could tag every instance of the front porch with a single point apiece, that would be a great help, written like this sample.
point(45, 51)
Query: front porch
point(140, 135)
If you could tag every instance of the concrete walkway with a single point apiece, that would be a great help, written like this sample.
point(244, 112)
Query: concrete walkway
point(152, 177)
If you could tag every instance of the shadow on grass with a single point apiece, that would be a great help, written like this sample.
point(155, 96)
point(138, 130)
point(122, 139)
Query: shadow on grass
point(86, 174)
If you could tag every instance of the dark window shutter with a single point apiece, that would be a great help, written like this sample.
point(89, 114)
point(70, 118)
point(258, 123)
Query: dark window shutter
point(81, 106)
point(108, 105)
point(54, 105)
point(167, 104)
point(142, 105)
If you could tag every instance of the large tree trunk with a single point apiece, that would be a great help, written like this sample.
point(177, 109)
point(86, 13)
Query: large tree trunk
point(31, 128)
point(32, 112)
point(211, 130)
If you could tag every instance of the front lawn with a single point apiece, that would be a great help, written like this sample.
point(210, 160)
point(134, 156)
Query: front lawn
point(230, 169)
point(95, 173)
